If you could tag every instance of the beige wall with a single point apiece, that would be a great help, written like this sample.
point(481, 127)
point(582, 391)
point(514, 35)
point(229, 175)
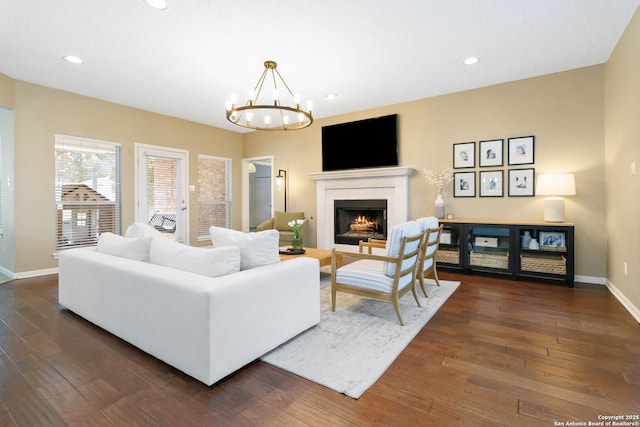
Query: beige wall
point(42, 112)
point(7, 91)
point(565, 112)
point(622, 143)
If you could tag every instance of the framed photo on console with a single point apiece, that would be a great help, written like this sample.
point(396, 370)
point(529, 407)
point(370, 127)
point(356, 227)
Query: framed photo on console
point(490, 153)
point(521, 182)
point(464, 184)
point(521, 150)
point(491, 183)
point(464, 155)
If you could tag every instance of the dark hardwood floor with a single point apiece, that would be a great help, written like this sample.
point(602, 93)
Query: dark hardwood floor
point(497, 353)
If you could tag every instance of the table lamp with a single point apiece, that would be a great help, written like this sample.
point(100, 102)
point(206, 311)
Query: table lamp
point(555, 185)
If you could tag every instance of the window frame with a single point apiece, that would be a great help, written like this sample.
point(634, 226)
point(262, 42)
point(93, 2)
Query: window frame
point(86, 213)
point(204, 235)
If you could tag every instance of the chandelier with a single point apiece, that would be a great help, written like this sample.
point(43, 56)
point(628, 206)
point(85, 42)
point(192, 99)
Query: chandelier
point(274, 113)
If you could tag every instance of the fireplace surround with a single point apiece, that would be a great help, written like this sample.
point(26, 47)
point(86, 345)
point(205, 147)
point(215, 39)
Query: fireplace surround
point(389, 184)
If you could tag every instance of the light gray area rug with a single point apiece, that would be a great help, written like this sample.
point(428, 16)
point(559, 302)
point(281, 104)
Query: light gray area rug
point(352, 347)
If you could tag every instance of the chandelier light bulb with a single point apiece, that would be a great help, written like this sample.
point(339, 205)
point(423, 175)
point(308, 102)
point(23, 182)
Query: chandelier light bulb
point(285, 120)
point(249, 117)
point(309, 106)
point(267, 120)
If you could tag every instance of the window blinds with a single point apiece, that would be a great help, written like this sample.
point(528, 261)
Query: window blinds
point(214, 193)
point(87, 190)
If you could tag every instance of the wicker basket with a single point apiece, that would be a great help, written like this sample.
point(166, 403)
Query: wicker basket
point(544, 263)
point(449, 257)
point(491, 260)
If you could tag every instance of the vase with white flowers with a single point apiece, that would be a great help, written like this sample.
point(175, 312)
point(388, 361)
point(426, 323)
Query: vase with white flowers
point(440, 181)
point(296, 240)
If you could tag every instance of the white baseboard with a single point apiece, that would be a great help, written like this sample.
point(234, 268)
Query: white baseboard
point(632, 309)
point(35, 273)
point(592, 280)
point(7, 273)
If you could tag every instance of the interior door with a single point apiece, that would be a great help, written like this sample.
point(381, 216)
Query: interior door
point(161, 190)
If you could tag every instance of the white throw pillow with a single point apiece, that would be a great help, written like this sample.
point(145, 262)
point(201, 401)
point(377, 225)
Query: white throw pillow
point(126, 247)
point(256, 248)
point(212, 262)
point(140, 229)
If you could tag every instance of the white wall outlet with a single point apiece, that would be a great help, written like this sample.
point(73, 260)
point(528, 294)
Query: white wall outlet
point(633, 168)
point(625, 268)
point(192, 188)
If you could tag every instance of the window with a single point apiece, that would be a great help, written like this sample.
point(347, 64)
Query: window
point(214, 194)
point(87, 190)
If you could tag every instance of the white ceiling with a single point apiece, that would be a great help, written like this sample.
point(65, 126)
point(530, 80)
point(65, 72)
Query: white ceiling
point(186, 60)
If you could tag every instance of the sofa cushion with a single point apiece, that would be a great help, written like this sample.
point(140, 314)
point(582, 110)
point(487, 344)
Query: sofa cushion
point(256, 248)
point(212, 262)
point(140, 229)
point(281, 219)
point(127, 247)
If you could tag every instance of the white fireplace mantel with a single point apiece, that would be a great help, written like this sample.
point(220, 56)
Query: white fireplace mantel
point(391, 184)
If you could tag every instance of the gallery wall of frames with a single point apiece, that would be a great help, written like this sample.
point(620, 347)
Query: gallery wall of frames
point(479, 168)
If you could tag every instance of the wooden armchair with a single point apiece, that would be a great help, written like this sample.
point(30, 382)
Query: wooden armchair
point(427, 264)
point(385, 277)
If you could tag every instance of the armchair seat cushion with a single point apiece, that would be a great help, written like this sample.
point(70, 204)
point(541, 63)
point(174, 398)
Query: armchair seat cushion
point(365, 274)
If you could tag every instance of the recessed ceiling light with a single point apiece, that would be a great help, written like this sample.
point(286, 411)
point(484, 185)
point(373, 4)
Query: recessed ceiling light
point(331, 96)
point(157, 4)
point(73, 59)
point(470, 61)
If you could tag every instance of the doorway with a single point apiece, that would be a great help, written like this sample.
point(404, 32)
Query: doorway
point(161, 181)
point(257, 194)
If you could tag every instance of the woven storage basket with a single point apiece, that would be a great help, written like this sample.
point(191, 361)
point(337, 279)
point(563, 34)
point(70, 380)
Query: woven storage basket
point(551, 263)
point(449, 257)
point(490, 260)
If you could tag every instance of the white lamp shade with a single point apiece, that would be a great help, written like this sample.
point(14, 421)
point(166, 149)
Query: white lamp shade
point(556, 184)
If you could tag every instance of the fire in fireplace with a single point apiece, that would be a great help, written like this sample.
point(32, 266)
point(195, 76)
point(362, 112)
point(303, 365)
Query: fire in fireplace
point(356, 220)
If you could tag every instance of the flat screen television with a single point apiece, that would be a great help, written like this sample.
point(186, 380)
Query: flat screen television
point(368, 143)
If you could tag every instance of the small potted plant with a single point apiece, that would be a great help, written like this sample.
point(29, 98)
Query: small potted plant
point(296, 241)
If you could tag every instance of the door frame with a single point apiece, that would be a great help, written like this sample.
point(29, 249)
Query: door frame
point(170, 153)
point(246, 203)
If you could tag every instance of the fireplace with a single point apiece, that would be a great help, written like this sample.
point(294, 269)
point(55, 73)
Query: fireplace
point(389, 184)
point(356, 220)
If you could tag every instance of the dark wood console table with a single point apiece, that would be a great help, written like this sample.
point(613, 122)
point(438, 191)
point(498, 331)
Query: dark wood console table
point(501, 247)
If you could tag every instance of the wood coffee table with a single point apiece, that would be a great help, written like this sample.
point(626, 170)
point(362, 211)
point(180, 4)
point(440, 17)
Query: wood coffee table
point(322, 255)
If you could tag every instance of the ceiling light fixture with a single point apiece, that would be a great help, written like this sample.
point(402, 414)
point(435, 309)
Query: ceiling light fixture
point(73, 59)
point(470, 61)
point(157, 4)
point(271, 113)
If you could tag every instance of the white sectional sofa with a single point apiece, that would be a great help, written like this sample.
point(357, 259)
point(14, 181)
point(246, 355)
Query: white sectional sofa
point(207, 327)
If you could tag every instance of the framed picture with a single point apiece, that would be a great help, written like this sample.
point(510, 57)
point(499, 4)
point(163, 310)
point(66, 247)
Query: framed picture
point(490, 153)
point(464, 184)
point(521, 182)
point(552, 239)
point(521, 150)
point(464, 155)
point(491, 183)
